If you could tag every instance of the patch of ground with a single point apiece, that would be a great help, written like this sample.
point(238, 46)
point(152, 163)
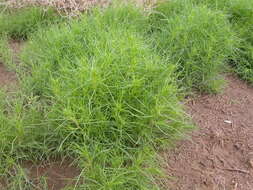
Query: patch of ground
point(220, 154)
point(6, 77)
point(16, 46)
point(57, 174)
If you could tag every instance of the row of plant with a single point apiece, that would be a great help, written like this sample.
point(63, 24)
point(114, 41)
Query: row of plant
point(105, 89)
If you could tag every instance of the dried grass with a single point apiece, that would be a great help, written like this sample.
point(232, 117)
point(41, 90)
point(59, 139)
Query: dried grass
point(71, 7)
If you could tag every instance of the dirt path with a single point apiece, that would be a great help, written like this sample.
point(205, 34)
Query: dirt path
point(58, 174)
point(219, 156)
point(6, 77)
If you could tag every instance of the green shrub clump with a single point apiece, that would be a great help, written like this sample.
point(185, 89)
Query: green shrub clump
point(199, 41)
point(240, 13)
point(20, 23)
point(96, 91)
point(167, 9)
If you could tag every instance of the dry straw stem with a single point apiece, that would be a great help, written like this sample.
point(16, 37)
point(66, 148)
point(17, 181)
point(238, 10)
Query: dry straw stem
point(71, 7)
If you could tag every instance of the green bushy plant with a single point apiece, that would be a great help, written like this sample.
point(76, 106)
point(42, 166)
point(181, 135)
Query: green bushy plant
point(97, 92)
point(240, 14)
point(165, 10)
point(19, 23)
point(242, 19)
point(215, 4)
point(198, 40)
point(243, 61)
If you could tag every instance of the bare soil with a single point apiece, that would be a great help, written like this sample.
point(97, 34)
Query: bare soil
point(16, 46)
point(58, 174)
point(218, 156)
point(6, 77)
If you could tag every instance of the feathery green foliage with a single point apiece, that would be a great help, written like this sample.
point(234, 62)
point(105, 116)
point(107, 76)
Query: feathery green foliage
point(102, 89)
point(165, 10)
point(240, 13)
point(20, 23)
point(198, 40)
point(242, 20)
point(97, 92)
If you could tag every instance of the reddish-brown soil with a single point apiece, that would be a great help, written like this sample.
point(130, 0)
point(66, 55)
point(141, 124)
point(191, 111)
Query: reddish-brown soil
point(58, 174)
point(6, 77)
point(218, 156)
point(16, 46)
